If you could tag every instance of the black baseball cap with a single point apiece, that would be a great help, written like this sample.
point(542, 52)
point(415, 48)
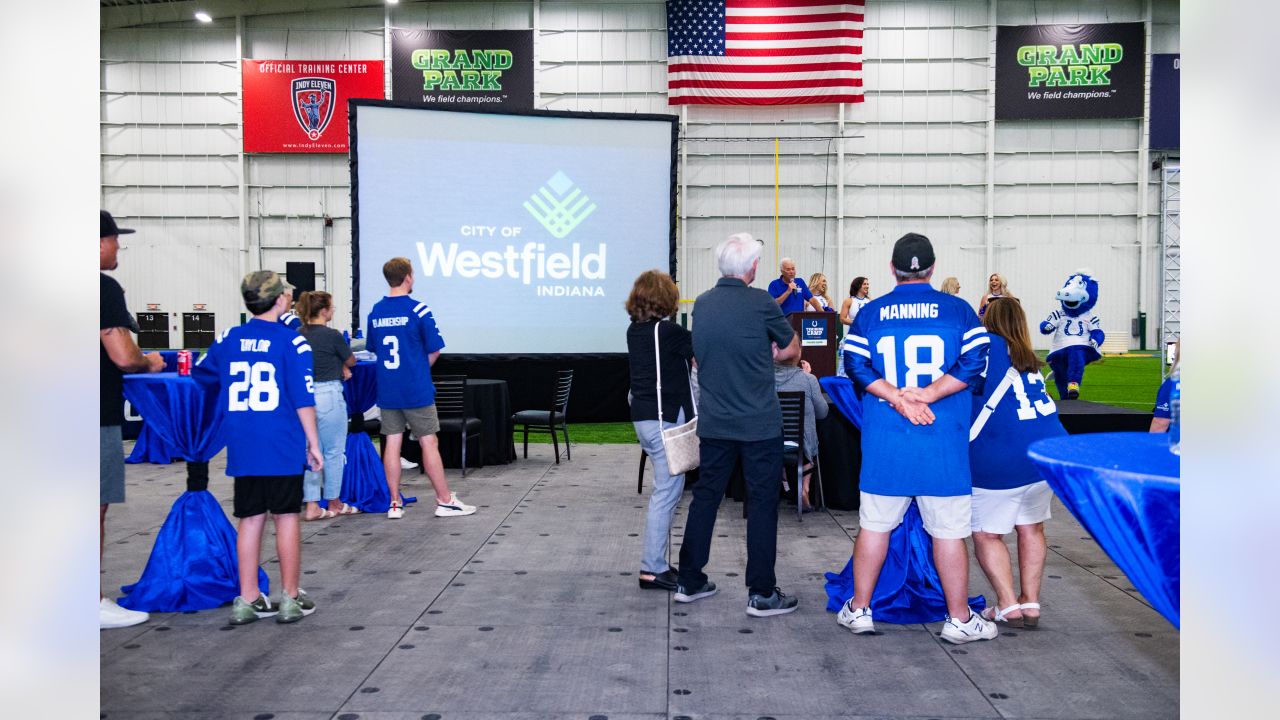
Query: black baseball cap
point(108, 226)
point(912, 253)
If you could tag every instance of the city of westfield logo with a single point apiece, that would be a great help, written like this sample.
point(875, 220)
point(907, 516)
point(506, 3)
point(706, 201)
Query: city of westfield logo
point(559, 205)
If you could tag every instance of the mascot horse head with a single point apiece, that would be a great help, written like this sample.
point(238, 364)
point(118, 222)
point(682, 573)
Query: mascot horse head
point(1079, 294)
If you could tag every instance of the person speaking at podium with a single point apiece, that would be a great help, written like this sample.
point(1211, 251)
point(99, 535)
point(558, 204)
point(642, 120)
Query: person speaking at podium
point(790, 292)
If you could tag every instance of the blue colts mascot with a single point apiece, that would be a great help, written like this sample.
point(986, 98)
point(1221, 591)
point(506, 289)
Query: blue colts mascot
point(1077, 333)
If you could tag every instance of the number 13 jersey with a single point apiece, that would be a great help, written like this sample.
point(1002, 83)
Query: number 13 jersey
point(1013, 411)
point(263, 374)
point(403, 334)
point(911, 337)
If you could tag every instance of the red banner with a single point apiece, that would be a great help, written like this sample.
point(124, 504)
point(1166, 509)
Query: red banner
point(300, 106)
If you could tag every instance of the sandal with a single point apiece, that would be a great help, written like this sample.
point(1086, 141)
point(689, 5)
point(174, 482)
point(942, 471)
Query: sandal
point(324, 515)
point(994, 614)
point(1031, 621)
point(349, 510)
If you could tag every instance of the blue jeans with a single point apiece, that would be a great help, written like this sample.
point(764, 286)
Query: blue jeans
point(331, 421)
point(666, 495)
point(762, 470)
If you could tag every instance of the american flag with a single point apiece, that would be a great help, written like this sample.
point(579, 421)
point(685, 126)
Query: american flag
point(763, 52)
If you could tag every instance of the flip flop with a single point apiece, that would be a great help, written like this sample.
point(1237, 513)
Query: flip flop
point(1028, 620)
point(995, 614)
point(324, 515)
point(349, 510)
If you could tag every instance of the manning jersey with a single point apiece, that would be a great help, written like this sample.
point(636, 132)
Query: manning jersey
point(911, 337)
point(403, 333)
point(1013, 412)
point(263, 370)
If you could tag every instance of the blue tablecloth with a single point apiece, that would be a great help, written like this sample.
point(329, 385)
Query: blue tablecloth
point(909, 590)
point(193, 563)
point(1125, 489)
point(150, 448)
point(361, 391)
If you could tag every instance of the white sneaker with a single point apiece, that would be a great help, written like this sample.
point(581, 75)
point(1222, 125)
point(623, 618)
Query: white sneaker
point(454, 508)
point(407, 464)
point(111, 615)
point(976, 628)
point(858, 620)
point(395, 512)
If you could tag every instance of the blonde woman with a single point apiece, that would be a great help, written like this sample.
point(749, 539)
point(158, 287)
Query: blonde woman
point(951, 286)
point(996, 288)
point(818, 286)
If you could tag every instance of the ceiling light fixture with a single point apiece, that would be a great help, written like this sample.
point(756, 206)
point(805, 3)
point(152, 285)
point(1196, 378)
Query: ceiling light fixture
point(203, 16)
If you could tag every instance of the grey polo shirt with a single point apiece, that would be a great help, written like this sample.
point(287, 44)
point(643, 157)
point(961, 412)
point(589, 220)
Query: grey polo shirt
point(732, 327)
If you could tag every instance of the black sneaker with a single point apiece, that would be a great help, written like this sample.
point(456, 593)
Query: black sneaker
point(686, 595)
point(777, 603)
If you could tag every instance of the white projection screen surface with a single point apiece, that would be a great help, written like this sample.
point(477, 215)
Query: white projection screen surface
point(525, 232)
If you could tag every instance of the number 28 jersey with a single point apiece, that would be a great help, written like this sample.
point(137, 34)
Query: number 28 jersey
point(263, 372)
point(403, 334)
point(911, 337)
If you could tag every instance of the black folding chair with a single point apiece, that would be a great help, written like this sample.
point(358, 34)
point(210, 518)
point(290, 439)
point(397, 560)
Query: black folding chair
point(794, 405)
point(451, 393)
point(549, 421)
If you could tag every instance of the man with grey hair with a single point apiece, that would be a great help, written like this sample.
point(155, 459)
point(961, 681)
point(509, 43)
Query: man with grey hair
point(738, 333)
point(789, 291)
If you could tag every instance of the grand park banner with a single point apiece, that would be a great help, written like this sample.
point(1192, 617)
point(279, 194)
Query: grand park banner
point(452, 69)
point(300, 106)
point(1069, 71)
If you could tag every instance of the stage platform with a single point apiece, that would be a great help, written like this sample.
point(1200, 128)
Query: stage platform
point(529, 609)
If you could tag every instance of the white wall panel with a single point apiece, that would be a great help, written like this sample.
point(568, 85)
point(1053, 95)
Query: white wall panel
point(1064, 193)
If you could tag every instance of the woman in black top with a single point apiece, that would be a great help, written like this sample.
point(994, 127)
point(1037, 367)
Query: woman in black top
point(654, 297)
point(331, 361)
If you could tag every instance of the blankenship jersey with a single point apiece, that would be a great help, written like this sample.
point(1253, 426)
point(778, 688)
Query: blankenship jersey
point(263, 371)
point(403, 334)
point(910, 337)
point(1014, 411)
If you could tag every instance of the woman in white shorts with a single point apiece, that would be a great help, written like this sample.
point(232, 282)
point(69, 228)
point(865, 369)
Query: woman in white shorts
point(1008, 494)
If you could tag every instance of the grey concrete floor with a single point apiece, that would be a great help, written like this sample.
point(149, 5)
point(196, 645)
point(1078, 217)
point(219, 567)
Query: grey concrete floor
point(530, 609)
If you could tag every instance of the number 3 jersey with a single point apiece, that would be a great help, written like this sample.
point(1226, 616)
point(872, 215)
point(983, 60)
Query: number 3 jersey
point(403, 334)
point(263, 372)
point(911, 337)
point(1013, 412)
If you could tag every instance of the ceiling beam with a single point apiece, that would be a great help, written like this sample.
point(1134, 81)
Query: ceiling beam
point(183, 11)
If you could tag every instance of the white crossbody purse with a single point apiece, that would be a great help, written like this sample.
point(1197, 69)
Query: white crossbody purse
point(680, 442)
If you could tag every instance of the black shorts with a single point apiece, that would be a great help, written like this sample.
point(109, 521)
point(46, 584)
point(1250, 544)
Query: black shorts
point(275, 494)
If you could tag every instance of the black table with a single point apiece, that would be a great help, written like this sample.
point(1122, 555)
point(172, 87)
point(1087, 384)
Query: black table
point(490, 401)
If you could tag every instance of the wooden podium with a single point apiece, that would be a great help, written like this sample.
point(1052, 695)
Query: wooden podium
point(817, 331)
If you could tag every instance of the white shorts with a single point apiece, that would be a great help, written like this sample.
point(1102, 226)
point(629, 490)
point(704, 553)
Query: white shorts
point(997, 511)
point(945, 518)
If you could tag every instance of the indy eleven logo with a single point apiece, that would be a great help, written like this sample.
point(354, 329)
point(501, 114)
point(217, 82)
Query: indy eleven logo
point(313, 104)
point(559, 206)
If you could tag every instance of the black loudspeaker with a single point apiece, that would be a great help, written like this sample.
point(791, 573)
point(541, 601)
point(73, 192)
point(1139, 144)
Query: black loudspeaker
point(301, 275)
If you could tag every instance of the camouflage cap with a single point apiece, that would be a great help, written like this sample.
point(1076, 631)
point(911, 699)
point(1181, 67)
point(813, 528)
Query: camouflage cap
point(262, 286)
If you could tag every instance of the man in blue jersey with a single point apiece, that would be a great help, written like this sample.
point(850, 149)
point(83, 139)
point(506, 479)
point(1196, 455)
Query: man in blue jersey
point(262, 370)
point(910, 354)
point(289, 318)
point(738, 333)
point(403, 334)
point(790, 292)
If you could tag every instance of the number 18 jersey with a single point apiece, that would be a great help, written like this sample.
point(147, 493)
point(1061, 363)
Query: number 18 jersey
point(911, 337)
point(263, 372)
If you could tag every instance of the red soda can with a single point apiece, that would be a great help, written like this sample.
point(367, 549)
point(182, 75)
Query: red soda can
point(184, 362)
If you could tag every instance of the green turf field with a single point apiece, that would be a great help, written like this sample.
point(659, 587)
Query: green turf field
point(1128, 381)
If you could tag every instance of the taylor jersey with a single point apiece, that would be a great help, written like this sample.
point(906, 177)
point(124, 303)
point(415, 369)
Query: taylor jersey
point(1013, 411)
point(910, 337)
point(403, 334)
point(263, 370)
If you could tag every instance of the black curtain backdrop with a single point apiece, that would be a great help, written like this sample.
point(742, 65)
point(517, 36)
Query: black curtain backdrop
point(600, 381)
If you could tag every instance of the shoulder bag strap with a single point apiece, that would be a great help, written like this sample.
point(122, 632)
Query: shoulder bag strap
point(657, 367)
